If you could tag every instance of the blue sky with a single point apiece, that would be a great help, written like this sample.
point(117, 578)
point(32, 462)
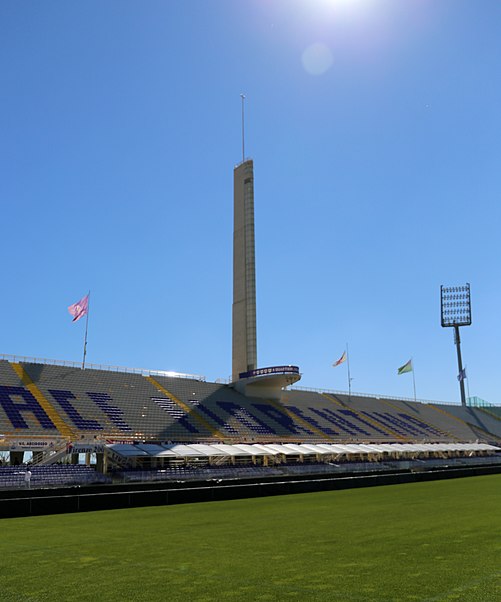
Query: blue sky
point(376, 180)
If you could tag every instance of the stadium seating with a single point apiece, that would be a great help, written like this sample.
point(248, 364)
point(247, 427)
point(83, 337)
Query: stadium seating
point(74, 405)
point(481, 423)
point(13, 477)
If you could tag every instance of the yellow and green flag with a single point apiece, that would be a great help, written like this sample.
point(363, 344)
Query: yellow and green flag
point(405, 368)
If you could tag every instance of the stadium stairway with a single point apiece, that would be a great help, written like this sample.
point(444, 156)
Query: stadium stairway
point(21, 414)
point(469, 422)
point(57, 454)
point(100, 404)
point(234, 416)
point(48, 408)
point(494, 411)
point(192, 411)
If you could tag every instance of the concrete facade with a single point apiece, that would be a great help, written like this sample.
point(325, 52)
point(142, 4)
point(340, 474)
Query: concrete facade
point(244, 355)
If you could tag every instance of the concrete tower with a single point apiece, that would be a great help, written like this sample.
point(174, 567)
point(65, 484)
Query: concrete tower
point(244, 271)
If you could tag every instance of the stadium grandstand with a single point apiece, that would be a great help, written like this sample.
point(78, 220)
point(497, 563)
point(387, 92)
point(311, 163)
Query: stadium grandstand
point(157, 426)
point(141, 425)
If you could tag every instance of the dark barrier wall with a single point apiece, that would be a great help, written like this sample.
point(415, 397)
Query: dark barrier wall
point(35, 503)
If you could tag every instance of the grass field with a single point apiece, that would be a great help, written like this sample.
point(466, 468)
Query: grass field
point(428, 541)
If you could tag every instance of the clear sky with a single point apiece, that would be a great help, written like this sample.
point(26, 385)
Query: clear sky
point(375, 129)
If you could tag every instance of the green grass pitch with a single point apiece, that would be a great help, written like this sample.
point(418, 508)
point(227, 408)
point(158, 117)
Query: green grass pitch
point(422, 542)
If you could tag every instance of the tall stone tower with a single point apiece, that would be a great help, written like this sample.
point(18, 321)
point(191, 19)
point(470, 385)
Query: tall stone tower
point(244, 271)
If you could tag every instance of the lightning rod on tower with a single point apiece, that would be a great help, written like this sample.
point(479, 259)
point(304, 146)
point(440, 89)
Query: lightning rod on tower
point(242, 96)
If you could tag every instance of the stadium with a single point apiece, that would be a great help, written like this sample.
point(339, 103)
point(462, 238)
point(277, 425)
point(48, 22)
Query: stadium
point(144, 448)
point(85, 425)
point(375, 126)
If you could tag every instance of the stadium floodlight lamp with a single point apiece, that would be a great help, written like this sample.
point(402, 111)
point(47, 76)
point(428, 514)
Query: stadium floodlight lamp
point(455, 304)
point(455, 309)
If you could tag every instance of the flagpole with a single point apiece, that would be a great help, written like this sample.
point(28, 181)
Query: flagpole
point(349, 376)
point(86, 329)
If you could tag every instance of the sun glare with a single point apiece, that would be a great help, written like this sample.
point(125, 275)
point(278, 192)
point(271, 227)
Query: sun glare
point(317, 58)
point(346, 6)
point(343, 2)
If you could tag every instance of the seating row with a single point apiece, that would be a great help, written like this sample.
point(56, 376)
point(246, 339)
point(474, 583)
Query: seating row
point(38, 400)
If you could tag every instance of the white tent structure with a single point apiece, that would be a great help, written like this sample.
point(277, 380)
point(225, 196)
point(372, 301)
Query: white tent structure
point(274, 453)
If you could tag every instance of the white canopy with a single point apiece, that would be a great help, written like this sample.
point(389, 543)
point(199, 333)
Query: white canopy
point(275, 448)
point(208, 450)
point(233, 450)
point(184, 451)
point(201, 450)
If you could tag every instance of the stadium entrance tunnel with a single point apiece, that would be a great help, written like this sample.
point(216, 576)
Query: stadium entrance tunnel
point(267, 383)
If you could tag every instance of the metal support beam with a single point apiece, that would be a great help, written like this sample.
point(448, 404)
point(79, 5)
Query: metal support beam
point(457, 341)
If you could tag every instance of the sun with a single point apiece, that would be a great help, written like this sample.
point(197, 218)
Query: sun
point(342, 9)
point(345, 5)
point(342, 2)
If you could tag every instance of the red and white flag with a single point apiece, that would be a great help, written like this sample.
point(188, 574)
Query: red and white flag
point(340, 360)
point(80, 308)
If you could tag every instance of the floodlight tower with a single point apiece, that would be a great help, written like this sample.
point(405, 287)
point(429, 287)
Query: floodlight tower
point(455, 309)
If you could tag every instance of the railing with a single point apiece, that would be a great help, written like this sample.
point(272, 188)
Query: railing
point(69, 364)
point(147, 372)
point(478, 402)
point(229, 380)
point(371, 395)
point(269, 370)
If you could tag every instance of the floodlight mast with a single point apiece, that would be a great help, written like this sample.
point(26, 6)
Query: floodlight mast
point(455, 309)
